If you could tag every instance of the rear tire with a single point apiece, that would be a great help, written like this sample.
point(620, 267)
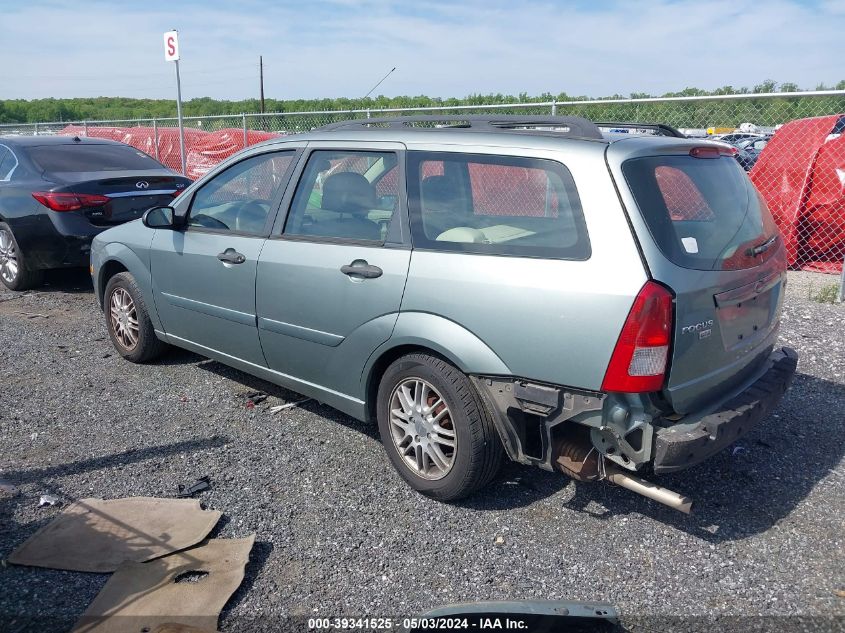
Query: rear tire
point(435, 429)
point(15, 272)
point(128, 321)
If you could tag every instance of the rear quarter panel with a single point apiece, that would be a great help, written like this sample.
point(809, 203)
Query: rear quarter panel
point(549, 320)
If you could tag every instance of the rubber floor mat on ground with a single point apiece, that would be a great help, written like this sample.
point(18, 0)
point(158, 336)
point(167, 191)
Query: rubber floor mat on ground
point(188, 588)
point(97, 536)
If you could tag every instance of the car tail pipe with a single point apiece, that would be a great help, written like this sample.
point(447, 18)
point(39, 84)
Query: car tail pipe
point(575, 456)
point(620, 477)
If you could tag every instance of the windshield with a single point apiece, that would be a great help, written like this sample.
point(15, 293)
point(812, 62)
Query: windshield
point(82, 158)
point(704, 213)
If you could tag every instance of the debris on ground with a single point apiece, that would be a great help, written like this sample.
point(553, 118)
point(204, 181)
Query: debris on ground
point(48, 500)
point(254, 398)
point(839, 593)
point(145, 592)
point(739, 450)
point(499, 540)
point(203, 483)
point(288, 405)
point(94, 535)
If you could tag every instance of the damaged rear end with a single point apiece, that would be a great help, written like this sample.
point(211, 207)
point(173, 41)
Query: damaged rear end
point(696, 363)
point(709, 240)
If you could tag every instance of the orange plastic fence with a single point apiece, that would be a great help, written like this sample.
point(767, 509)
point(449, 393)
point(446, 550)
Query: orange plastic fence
point(203, 150)
point(801, 175)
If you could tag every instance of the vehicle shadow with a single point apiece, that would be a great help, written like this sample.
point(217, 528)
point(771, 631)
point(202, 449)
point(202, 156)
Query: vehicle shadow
point(35, 475)
point(744, 490)
point(258, 557)
point(14, 532)
point(68, 281)
point(22, 607)
point(253, 383)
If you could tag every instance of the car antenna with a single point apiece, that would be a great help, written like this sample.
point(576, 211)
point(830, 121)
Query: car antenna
point(380, 82)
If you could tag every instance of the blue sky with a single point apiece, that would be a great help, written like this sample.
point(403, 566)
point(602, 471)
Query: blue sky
point(71, 48)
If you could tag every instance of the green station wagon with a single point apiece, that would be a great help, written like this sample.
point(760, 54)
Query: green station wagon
point(531, 287)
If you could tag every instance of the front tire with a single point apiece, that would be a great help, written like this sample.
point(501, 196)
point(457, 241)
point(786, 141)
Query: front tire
point(435, 429)
point(128, 321)
point(14, 270)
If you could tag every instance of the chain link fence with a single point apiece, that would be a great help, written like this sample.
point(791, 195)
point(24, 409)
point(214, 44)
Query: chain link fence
point(790, 143)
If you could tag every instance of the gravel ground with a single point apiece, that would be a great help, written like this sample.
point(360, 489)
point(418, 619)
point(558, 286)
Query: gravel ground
point(339, 534)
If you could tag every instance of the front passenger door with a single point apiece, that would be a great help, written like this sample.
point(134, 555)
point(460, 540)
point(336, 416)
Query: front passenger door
point(204, 275)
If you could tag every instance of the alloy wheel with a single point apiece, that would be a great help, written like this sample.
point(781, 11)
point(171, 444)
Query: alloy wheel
point(422, 429)
point(8, 257)
point(124, 318)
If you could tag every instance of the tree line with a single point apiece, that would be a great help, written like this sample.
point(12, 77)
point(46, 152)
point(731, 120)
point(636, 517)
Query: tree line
point(764, 112)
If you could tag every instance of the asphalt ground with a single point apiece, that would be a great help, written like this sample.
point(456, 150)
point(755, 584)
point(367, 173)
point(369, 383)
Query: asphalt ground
point(339, 534)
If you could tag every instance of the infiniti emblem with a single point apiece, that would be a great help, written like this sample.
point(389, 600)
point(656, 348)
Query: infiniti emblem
point(142, 184)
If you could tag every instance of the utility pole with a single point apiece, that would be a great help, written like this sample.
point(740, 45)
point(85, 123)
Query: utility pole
point(261, 75)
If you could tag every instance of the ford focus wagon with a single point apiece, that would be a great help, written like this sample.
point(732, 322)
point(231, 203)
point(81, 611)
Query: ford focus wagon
point(602, 305)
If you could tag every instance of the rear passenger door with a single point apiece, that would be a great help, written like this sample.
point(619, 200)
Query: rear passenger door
point(331, 276)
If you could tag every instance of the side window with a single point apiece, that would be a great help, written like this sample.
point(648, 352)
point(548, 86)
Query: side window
point(345, 194)
point(7, 163)
point(238, 199)
point(498, 205)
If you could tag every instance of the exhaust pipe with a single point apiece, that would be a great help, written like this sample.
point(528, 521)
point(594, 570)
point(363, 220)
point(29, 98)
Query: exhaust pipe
point(576, 457)
point(616, 475)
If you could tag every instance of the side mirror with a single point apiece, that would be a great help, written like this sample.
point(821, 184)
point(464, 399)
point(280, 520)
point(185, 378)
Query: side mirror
point(159, 218)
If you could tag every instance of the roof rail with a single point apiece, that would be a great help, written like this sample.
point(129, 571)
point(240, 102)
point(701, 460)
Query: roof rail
point(660, 129)
point(573, 126)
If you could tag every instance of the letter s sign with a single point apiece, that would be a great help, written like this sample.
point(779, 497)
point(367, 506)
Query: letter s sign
point(171, 46)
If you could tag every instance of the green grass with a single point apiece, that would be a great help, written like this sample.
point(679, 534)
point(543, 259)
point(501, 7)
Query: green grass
point(829, 293)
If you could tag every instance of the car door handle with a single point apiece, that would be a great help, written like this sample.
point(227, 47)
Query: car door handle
point(231, 256)
point(360, 268)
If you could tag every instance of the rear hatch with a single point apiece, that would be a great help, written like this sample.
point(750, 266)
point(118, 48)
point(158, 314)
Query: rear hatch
point(114, 183)
point(720, 253)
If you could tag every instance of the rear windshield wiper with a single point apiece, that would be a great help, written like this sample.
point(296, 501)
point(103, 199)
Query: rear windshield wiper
point(761, 248)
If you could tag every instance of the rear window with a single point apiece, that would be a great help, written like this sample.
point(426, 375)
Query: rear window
point(704, 213)
point(79, 157)
point(496, 205)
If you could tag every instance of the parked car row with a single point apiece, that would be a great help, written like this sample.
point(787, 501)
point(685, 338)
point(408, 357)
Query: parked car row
point(747, 145)
point(57, 193)
point(594, 303)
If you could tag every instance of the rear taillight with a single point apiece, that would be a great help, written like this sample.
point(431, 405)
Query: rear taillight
point(638, 363)
point(70, 201)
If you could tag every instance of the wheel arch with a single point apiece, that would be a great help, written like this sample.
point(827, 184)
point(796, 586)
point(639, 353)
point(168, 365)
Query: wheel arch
point(417, 332)
point(108, 270)
point(114, 258)
point(380, 365)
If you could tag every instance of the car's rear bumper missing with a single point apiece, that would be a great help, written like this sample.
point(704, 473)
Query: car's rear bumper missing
point(680, 447)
